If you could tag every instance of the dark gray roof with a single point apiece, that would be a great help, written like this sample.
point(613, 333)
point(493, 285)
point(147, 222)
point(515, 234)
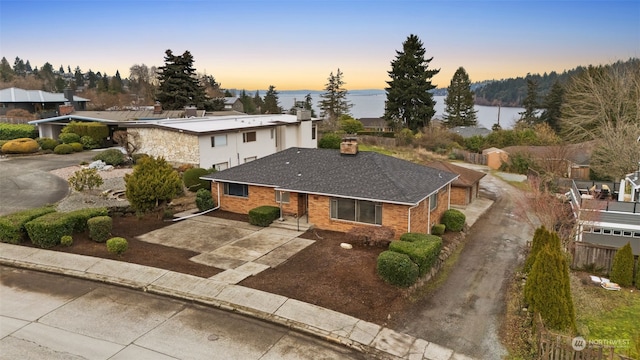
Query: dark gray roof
point(367, 175)
point(17, 95)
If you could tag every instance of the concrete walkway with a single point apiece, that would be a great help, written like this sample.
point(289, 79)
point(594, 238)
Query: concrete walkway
point(369, 338)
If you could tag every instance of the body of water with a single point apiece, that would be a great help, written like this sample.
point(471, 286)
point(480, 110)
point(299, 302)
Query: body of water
point(370, 104)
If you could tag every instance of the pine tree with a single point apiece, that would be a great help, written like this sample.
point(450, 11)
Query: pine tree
point(152, 182)
point(19, 68)
point(271, 105)
point(459, 110)
point(257, 101)
point(6, 72)
point(552, 107)
point(247, 103)
point(334, 103)
point(409, 100)
point(179, 86)
point(548, 290)
point(115, 84)
point(530, 103)
point(622, 268)
point(78, 77)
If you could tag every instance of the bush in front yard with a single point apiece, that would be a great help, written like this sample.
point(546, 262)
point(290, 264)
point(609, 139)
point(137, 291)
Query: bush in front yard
point(422, 249)
point(20, 146)
point(113, 157)
point(63, 149)
point(47, 143)
point(66, 240)
point(68, 138)
point(453, 220)
point(82, 216)
point(85, 178)
point(47, 230)
point(263, 215)
point(117, 245)
point(192, 181)
point(438, 229)
point(100, 228)
point(12, 228)
point(204, 200)
point(397, 269)
point(152, 182)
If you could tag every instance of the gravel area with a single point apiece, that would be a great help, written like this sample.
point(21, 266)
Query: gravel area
point(100, 197)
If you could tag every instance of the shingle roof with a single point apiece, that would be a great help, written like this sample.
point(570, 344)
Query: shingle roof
point(367, 175)
point(468, 177)
point(16, 95)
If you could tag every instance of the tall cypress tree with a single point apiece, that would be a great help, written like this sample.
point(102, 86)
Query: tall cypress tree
point(622, 268)
point(459, 102)
point(179, 86)
point(334, 103)
point(409, 100)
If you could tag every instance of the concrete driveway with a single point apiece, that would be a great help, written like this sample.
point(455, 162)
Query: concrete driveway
point(241, 249)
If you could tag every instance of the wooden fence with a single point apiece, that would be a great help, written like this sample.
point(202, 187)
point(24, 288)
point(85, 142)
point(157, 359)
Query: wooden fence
point(470, 157)
point(594, 256)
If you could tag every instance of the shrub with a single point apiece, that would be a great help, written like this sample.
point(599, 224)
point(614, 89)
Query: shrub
point(330, 141)
point(97, 131)
point(438, 229)
point(638, 275)
point(113, 157)
point(136, 157)
point(89, 143)
point(153, 181)
point(423, 250)
point(80, 217)
point(192, 180)
point(373, 235)
point(117, 245)
point(68, 138)
point(85, 178)
point(541, 238)
point(63, 149)
point(17, 131)
point(622, 268)
point(47, 143)
point(204, 200)
point(12, 228)
point(77, 147)
point(100, 228)
point(20, 146)
point(453, 220)
point(396, 269)
point(47, 230)
point(66, 240)
point(263, 215)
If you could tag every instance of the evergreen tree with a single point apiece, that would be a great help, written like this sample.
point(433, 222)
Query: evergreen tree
point(409, 100)
point(257, 101)
point(115, 84)
point(27, 67)
point(552, 107)
point(548, 290)
point(247, 103)
point(19, 68)
point(541, 237)
point(308, 104)
point(459, 109)
point(6, 72)
point(47, 76)
point(179, 86)
point(93, 79)
point(152, 182)
point(78, 77)
point(530, 103)
point(334, 103)
point(622, 268)
point(271, 105)
point(61, 70)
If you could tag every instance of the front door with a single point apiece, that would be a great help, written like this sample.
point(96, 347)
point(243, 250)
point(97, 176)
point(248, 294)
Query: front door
point(302, 205)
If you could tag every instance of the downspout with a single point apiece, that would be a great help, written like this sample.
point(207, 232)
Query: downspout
point(200, 213)
point(409, 221)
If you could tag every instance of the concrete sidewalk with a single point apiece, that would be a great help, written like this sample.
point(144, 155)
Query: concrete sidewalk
point(369, 338)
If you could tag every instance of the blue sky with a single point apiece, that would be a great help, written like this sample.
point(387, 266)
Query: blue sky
point(297, 44)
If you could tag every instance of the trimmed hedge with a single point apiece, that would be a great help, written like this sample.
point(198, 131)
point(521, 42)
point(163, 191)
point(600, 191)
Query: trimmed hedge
point(46, 231)
point(12, 228)
point(47, 143)
point(97, 131)
point(20, 146)
point(17, 131)
point(113, 157)
point(66, 240)
point(77, 147)
point(63, 149)
point(89, 143)
point(438, 229)
point(263, 215)
point(100, 228)
point(453, 220)
point(397, 269)
point(204, 200)
point(117, 245)
point(68, 138)
point(80, 217)
point(422, 250)
point(192, 181)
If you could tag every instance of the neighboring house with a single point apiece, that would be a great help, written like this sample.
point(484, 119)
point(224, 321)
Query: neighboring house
point(465, 189)
point(375, 124)
point(568, 161)
point(469, 131)
point(495, 157)
point(233, 104)
point(38, 101)
point(338, 190)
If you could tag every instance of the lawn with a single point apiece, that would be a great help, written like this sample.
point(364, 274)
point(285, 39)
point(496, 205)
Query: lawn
point(607, 317)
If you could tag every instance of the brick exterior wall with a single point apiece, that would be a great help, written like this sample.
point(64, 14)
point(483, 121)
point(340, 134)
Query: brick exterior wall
point(394, 216)
point(460, 195)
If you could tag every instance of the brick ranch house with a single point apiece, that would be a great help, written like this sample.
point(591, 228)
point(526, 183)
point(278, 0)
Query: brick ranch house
point(338, 190)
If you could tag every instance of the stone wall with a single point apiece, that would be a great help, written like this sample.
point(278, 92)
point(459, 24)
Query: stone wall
point(175, 147)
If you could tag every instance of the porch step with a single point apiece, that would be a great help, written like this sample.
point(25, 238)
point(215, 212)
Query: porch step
point(292, 224)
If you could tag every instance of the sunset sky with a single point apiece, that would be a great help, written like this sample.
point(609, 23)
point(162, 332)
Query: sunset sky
point(297, 44)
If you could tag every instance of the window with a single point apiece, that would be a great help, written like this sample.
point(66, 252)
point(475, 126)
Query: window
point(221, 166)
point(433, 201)
point(219, 140)
point(236, 189)
point(249, 136)
point(250, 158)
point(285, 196)
point(313, 132)
point(356, 210)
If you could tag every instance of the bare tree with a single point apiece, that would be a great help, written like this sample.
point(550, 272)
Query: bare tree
point(128, 140)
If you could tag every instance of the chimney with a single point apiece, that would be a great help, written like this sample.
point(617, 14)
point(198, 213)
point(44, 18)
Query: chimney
point(157, 108)
point(68, 94)
point(349, 146)
point(65, 109)
point(303, 114)
point(190, 111)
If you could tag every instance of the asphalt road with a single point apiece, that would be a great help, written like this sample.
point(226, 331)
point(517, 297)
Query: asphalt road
point(46, 316)
point(465, 312)
point(25, 181)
